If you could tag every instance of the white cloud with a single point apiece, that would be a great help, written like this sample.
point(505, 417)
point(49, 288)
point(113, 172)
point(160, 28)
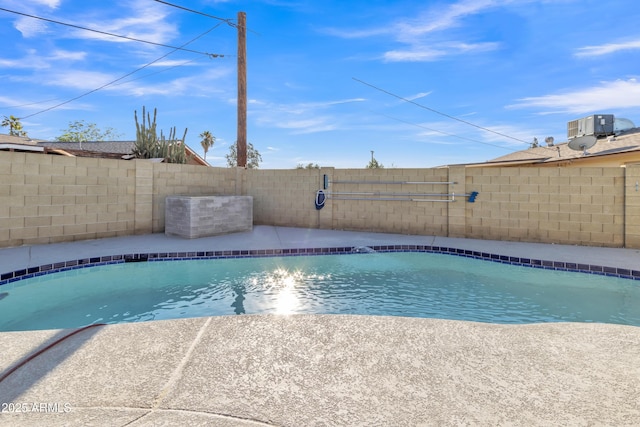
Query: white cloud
point(418, 95)
point(301, 118)
point(425, 38)
point(357, 34)
point(50, 3)
point(87, 80)
point(310, 125)
point(313, 105)
point(66, 55)
point(33, 61)
point(422, 54)
point(30, 27)
point(611, 95)
point(172, 63)
point(203, 84)
point(454, 133)
point(435, 19)
point(519, 132)
point(605, 49)
point(414, 55)
point(143, 20)
point(31, 105)
point(440, 19)
point(419, 33)
point(15, 63)
point(344, 101)
point(83, 80)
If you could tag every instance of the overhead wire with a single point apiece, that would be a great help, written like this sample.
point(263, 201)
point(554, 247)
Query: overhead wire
point(123, 77)
point(439, 112)
point(441, 132)
point(123, 37)
point(28, 104)
point(211, 55)
point(156, 72)
point(225, 20)
point(128, 81)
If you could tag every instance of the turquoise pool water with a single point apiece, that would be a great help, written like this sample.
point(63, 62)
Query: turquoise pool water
point(397, 284)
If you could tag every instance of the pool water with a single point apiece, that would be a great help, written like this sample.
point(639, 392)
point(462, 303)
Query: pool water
point(397, 284)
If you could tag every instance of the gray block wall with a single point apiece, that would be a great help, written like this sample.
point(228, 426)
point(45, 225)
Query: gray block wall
point(201, 216)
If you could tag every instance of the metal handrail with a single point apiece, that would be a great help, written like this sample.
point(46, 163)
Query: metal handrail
point(401, 196)
point(392, 182)
point(392, 199)
point(414, 197)
point(382, 193)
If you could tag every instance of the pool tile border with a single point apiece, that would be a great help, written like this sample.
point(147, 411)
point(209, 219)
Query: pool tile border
point(26, 273)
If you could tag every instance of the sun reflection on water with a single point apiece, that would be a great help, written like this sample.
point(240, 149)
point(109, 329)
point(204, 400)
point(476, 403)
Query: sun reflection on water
point(285, 282)
point(288, 287)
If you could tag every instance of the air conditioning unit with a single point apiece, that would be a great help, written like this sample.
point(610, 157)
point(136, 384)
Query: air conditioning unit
point(596, 125)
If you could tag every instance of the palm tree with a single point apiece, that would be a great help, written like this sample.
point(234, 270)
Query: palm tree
point(14, 125)
point(207, 142)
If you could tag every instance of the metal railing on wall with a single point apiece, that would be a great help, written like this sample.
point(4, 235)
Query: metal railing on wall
point(393, 196)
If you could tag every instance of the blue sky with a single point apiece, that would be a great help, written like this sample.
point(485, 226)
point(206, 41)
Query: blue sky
point(417, 82)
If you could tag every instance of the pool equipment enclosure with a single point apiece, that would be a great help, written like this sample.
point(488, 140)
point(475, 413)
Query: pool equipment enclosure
point(202, 216)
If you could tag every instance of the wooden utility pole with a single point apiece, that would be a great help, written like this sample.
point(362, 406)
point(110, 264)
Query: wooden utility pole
point(242, 90)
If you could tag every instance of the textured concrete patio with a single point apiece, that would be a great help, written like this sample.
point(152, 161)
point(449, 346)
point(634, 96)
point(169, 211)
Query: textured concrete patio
point(308, 370)
point(319, 370)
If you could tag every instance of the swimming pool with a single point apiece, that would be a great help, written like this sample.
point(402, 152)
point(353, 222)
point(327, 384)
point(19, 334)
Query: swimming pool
point(413, 284)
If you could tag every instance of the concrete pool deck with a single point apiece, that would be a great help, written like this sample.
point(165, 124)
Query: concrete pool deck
point(305, 370)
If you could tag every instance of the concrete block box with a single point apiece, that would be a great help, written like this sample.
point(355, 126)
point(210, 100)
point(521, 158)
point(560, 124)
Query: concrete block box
point(201, 216)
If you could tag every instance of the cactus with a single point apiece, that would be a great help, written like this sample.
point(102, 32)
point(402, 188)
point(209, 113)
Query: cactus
point(149, 146)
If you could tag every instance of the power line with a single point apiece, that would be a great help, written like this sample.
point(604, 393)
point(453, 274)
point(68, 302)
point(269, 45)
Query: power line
point(225, 20)
point(123, 77)
point(210, 55)
point(128, 81)
point(28, 104)
point(228, 21)
point(438, 112)
point(157, 72)
point(443, 133)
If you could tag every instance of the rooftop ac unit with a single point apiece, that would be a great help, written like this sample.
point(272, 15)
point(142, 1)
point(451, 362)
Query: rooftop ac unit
point(596, 125)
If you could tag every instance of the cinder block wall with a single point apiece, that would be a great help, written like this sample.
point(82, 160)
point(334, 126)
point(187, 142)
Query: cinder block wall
point(632, 207)
point(406, 217)
point(46, 198)
point(284, 197)
point(583, 206)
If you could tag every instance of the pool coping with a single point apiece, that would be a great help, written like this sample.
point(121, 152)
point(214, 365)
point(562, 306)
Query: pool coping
point(62, 266)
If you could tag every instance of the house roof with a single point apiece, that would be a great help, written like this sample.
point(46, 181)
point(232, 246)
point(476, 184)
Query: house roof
point(24, 140)
point(18, 143)
point(105, 149)
point(626, 142)
point(112, 147)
